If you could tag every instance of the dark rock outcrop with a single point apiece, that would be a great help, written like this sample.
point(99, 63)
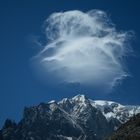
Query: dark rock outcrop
point(128, 131)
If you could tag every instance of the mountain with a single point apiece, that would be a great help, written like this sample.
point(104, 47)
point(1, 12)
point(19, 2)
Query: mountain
point(78, 118)
point(128, 131)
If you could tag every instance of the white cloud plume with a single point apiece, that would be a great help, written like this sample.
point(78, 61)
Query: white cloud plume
point(84, 48)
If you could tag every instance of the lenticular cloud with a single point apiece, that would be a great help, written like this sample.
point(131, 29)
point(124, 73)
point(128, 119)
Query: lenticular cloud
point(84, 48)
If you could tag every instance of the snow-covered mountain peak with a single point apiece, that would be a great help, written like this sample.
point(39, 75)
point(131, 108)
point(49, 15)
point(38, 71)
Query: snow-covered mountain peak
point(80, 107)
point(64, 101)
point(77, 118)
point(106, 104)
point(52, 101)
point(80, 98)
point(111, 110)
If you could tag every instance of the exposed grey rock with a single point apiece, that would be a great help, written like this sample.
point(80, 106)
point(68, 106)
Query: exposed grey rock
point(78, 118)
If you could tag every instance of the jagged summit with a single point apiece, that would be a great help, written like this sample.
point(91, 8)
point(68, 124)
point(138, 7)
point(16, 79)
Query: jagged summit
point(76, 118)
point(79, 96)
point(52, 101)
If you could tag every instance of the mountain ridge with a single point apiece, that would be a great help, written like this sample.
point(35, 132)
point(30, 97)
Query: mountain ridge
point(77, 118)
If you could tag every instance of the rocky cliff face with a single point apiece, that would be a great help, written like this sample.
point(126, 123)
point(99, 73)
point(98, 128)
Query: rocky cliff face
point(128, 131)
point(78, 118)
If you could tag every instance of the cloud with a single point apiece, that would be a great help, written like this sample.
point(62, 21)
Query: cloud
point(84, 48)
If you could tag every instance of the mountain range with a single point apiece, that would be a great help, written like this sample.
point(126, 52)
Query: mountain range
point(77, 118)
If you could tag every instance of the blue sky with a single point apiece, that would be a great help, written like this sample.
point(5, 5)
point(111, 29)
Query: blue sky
point(21, 21)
